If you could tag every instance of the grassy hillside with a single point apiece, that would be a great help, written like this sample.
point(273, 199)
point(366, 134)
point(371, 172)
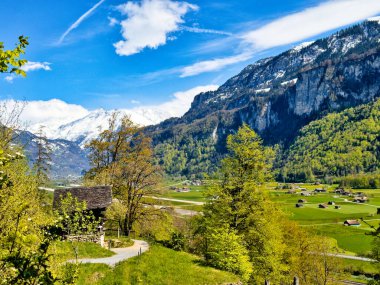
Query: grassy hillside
point(157, 266)
point(337, 145)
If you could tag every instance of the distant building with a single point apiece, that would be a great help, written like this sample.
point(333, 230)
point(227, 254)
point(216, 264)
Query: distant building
point(302, 201)
point(360, 199)
point(299, 205)
point(322, 206)
point(305, 193)
point(320, 190)
point(337, 207)
point(354, 223)
point(331, 203)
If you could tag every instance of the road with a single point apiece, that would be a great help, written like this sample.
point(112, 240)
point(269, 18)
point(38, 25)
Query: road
point(121, 254)
point(177, 200)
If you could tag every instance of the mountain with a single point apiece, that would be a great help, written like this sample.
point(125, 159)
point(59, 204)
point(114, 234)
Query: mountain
point(67, 158)
point(276, 96)
point(84, 129)
point(336, 145)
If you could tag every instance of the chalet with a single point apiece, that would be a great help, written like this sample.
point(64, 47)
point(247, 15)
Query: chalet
point(331, 203)
point(354, 223)
point(360, 199)
point(97, 198)
point(339, 191)
point(337, 207)
point(322, 206)
point(320, 190)
point(303, 189)
point(302, 201)
point(183, 190)
point(299, 205)
point(305, 193)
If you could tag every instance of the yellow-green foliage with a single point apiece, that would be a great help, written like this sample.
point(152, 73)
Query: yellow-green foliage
point(337, 145)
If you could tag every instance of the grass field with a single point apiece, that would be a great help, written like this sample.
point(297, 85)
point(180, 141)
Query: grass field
point(157, 266)
point(65, 250)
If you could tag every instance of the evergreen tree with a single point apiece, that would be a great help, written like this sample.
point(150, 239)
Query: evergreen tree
point(42, 163)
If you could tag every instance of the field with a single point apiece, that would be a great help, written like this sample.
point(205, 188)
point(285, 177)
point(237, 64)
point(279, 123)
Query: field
point(157, 266)
point(327, 222)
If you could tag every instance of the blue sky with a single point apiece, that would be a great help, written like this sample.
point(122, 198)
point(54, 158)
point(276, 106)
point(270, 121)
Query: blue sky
point(122, 54)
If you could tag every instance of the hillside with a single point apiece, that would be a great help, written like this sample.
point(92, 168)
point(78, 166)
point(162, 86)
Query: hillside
point(276, 96)
point(337, 145)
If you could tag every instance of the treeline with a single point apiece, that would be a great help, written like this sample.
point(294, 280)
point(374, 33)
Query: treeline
point(340, 144)
point(364, 181)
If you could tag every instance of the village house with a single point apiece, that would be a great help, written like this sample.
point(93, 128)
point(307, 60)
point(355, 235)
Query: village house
point(360, 199)
point(354, 223)
point(320, 190)
point(322, 206)
point(337, 207)
point(331, 203)
point(305, 193)
point(302, 201)
point(97, 198)
point(299, 205)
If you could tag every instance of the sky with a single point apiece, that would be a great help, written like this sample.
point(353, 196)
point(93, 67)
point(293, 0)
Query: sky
point(111, 54)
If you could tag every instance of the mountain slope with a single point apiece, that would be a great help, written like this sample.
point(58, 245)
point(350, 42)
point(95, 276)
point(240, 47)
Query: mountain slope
point(337, 145)
point(67, 158)
point(277, 96)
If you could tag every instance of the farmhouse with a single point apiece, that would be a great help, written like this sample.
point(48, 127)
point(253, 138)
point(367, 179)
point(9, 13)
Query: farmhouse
point(299, 205)
point(305, 193)
point(97, 198)
point(360, 199)
point(320, 190)
point(331, 203)
point(337, 207)
point(302, 201)
point(354, 223)
point(322, 206)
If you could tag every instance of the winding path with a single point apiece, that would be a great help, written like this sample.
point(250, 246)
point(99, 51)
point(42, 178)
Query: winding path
point(121, 254)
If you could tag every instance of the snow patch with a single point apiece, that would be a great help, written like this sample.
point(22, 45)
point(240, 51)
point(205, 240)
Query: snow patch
point(302, 46)
point(374, 19)
point(265, 90)
point(290, 82)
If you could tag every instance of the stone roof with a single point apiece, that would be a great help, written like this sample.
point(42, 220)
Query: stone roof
point(97, 197)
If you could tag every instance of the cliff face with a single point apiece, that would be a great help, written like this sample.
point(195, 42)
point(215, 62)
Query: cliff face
point(279, 95)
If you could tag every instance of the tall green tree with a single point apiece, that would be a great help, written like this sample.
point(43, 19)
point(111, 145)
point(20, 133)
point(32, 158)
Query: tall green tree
point(238, 205)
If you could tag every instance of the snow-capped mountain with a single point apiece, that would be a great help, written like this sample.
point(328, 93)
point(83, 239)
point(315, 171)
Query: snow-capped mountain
point(87, 128)
point(86, 125)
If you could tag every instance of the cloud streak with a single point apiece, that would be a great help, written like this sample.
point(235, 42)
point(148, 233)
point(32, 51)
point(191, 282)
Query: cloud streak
point(205, 31)
point(292, 28)
point(79, 21)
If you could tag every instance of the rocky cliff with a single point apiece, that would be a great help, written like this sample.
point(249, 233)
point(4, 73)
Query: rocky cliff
point(277, 96)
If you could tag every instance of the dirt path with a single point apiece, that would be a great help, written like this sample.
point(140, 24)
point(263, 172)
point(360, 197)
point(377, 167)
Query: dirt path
point(121, 254)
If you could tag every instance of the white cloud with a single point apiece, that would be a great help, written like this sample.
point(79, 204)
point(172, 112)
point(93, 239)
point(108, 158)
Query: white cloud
point(51, 114)
point(9, 78)
point(149, 24)
point(311, 22)
point(213, 65)
point(112, 21)
point(293, 28)
point(32, 66)
point(135, 102)
point(181, 101)
point(79, 21)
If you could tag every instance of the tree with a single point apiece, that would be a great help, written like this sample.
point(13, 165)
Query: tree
point(10, 61)
point(42, 163)
point(237, 205)
point(122, 157)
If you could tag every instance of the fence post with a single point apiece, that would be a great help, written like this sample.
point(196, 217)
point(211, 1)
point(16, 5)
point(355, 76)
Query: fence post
point(296, 281)
point(267, 282)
